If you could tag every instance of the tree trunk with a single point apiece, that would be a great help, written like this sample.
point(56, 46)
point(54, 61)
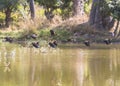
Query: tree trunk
point(117, 30)
point(8, 17)
point(32, 9)
point(98, 18)
point(95, 15)
point(78, 7)
point(93, 12)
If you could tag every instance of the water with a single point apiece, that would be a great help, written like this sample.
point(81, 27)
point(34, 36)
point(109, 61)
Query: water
point(98, 65)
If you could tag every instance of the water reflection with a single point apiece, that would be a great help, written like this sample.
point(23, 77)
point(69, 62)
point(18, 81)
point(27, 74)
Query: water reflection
point(7, 67)
point(22, 66)
point(104, 68)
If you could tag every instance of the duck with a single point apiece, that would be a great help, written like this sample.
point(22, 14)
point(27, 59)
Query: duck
point(52, 33)
point(36, 44)
point(53, 44)
point(69, 40)
point(9, 39)
point(87, 43)
point(34, 36)
point(107, 41)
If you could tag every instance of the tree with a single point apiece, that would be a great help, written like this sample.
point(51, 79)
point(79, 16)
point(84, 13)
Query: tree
point(100, 15)
point(114, 6)
point(64, 6)
point(7, 6)
point(32, 9)
point(49, 7)
point(78, 7)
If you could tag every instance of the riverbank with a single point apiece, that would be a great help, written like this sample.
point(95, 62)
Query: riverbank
point(73, 30)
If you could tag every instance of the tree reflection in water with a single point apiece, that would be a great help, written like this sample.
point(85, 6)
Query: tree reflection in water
point(25, 66)
point(7, 67)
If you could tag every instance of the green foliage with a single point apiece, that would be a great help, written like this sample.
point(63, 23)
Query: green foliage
point(44, 34)
point(114, 6)
point(62, 34)
point(63, 7)
point(87, 6)
point(41, 12)
point(104, 9)
point(48, 3)
point(23, 9)
point(66, 10)
point(8, 4)
point(9, 7)
point(2, 17)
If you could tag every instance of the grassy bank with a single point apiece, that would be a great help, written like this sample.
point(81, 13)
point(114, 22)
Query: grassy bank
point(63, 34)
point(74, 30)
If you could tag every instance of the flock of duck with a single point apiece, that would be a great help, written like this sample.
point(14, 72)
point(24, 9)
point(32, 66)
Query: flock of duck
point(107, 41)
point(54, 43)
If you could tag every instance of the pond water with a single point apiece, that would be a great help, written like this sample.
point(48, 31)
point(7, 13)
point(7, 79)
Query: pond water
point(98, 65)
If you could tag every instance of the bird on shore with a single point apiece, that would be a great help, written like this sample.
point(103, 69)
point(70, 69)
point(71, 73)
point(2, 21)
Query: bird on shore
point(53, 44)
point(52, 33)
point(69, 40)
point(34, 36)
point(107, 41)
point(9, 39)
point(87, 43)
point(36, 44)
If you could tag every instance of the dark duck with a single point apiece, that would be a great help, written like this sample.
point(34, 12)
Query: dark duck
point(36, 44)
point(34, 36)
point(87, 43)
point(107, 41)
point(53, 44)
point(52, 33)
point(9, 39)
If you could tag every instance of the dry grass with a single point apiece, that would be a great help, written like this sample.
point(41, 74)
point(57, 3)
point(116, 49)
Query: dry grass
point(78, 24)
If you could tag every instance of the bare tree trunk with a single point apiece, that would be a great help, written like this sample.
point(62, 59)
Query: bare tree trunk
point(78, 7)
point(98, 18)
point(32, 9)
point(93, 12)
point(117, 30)
point(95, 15)
point(8, 17)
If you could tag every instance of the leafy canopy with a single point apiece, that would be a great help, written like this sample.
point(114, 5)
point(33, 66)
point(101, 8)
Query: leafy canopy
point(11, 4)
point(114, 6)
